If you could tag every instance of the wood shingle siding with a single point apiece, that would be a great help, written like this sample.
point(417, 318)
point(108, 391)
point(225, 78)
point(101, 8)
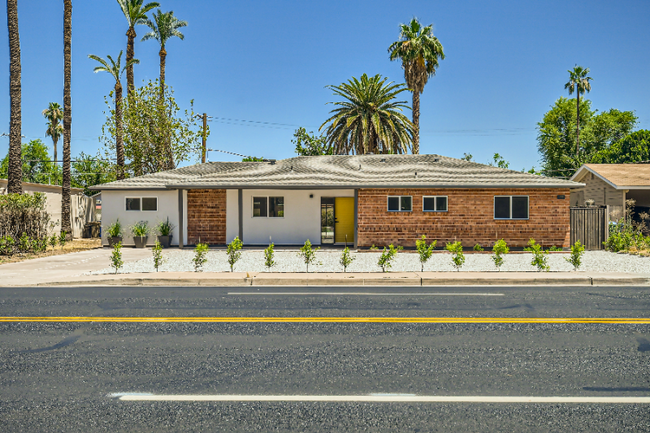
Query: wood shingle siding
point(206, 216)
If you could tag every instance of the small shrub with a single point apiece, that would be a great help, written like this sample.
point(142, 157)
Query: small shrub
point(140, 229)
point(499, 249)
point(158, 258)
point(7, 245)
point(577, 250)
point(233, 251)
point(308, 253)
point(200, 259)
point(116, 257)
point(373, 248)
point(478, 247)
point(424, 251)
point(63, 238)
point(540, 257)
point(457, 258)
point(53, 241)
point(269, 255)
point(165, 228)
point(555, 248)
point(387, 256)
point(115, 229)
point(24, 244)
point(39, 245)
point(346, 259)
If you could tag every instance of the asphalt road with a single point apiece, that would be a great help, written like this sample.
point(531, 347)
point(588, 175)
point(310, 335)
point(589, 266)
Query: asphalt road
point(64, 376)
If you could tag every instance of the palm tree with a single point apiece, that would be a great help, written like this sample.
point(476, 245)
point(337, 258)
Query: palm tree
point(54, 114)
point(163, 27)
point(419, 52)
point(66, 178)
point(369, 120)
point(115, 70)
point(135, 14)
point(15, 170)
point(579, 83)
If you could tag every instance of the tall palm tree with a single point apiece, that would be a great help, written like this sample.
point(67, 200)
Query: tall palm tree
point(66, 178)
point(163, 27)
point(135, 14)
point(419, 52)
point(15, 170)
point(54, 114)
point(115, 70)
point(579, 83)
point(369, 119)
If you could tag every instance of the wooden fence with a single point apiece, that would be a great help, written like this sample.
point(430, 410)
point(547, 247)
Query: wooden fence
point(590, 226)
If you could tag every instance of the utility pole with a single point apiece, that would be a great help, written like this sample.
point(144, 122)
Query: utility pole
point(205, 127)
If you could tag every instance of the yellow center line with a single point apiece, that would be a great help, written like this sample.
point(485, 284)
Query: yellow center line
point(88, 319)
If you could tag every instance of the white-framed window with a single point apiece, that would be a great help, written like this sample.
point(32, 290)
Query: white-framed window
point(511, 207)
point(141, 204)
point(434, 203)
point(268, 207)
point(400, 203)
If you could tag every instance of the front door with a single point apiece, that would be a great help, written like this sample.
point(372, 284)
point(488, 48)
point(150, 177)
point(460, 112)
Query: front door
point(344, 220)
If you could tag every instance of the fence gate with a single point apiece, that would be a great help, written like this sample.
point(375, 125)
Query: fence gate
point(589, 225)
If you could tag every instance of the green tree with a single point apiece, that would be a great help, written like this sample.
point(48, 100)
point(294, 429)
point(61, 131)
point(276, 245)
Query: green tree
point(369, 119)
point(54, 114)
point(307, 144)
point(633, 148)
point(36, 164)
point(115, 70)
point(14, 175)
point(90, 171)
point(498, 161)
point(419, 50)
point(136, 14)
point(579, 83)
point(148, 121)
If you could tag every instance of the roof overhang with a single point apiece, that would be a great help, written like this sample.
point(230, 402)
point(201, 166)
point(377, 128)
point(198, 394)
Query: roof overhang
point(584, 169)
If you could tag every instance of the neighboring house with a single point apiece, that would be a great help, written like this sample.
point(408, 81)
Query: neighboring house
point(81, 210)
point(370, 199)
point(612, 184)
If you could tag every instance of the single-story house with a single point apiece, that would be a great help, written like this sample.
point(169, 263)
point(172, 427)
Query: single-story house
point(612, 184)
point(81, 210)
point(363, 200)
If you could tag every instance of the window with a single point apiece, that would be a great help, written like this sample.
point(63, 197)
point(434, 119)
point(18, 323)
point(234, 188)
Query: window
point(434, 204)
point(402, 203)
point(511, 207)
point(271, 207)
point(146, 204)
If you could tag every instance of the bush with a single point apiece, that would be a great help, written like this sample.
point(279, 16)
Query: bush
point(346, 259)
point(200, 259)
point(158, 259)
point(499, 249)
point(24, 244)
point(308, 253)
point(63, 238)
point(140, 229)
point(53, 240)
point(478, 247)
point(387, 256)
point(115, 229)
point(577, 250)
point(7, 245)
point(23, 213)
point(269, 255)
point(457, 258)
point(540, 257)
point(116, 257)
point(165, 228)
point(424, 251)
point(233, 251)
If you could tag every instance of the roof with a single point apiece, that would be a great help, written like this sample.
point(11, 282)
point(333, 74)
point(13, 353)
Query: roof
point(342, 171)
point(620, 176)
point(29, 186)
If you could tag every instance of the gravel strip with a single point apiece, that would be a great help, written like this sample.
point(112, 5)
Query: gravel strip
point(328, 261)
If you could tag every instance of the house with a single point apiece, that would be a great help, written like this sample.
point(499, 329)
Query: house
point(81, 210)
point(363, 200)
point(612, 184)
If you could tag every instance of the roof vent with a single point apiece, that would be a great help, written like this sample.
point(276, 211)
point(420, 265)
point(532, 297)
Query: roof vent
point(272, 161)
point(436, 159)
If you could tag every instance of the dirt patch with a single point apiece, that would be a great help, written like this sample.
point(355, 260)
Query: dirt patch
point(70, 247)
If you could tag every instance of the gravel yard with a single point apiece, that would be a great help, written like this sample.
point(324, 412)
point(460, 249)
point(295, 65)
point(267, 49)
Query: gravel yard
point(328, 261)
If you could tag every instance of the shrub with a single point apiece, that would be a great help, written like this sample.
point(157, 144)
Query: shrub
point(53, 240)
point(158, 258)
point(63, 238)
point(140, 229)
point(116, 257)
point(425, 251)
point(200, 259)
point(165, 228)
point(308, 253)
point(23, 213)
point(233, 251)
point(457, 258)
point(39, 245)
point(387, 256)
point(499, 249)
point(540, 257)
point(346, 259)
point(555, 248)
point(115, 229)
point(269, 256)
point(478, 247)
point(24, 244)
point(7, 245)
point(577, 250)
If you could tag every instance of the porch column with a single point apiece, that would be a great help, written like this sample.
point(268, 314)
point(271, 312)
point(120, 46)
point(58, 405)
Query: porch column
point(181, 225)
point(240, 205)
point(356, 217)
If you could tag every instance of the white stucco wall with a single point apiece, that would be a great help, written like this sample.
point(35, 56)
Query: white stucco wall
point(113, 207)
point(301, 220)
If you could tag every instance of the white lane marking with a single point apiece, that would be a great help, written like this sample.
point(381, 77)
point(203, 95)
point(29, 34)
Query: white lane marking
point(361, 294)
point(123, 394)
point(397, 398)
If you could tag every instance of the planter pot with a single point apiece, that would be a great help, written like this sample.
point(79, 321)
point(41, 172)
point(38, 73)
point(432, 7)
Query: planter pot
point(165, 241)
point(140, 241)
point(112, 240)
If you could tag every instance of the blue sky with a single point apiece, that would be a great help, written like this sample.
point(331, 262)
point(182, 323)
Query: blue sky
point(269, 61)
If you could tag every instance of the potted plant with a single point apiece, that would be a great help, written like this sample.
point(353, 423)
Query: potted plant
point(140, 231)
point(165, 229)
point(114, 233)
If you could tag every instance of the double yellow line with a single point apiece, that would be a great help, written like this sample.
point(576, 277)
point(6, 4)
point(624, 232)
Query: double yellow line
point(551, 320)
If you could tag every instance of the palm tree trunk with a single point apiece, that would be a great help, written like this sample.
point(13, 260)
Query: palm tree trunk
point(163, 57)
point(416, 122)
point(15, 172)
point(119, 137)
point(578, 126)
point(67, 117)
point(130, 53)
point(54, 142)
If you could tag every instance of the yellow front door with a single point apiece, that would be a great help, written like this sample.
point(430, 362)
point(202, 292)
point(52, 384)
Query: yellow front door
point(344, 220)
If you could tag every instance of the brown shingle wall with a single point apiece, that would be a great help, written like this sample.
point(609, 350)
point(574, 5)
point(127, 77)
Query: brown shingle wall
point(206, 216)
point(469, 218)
